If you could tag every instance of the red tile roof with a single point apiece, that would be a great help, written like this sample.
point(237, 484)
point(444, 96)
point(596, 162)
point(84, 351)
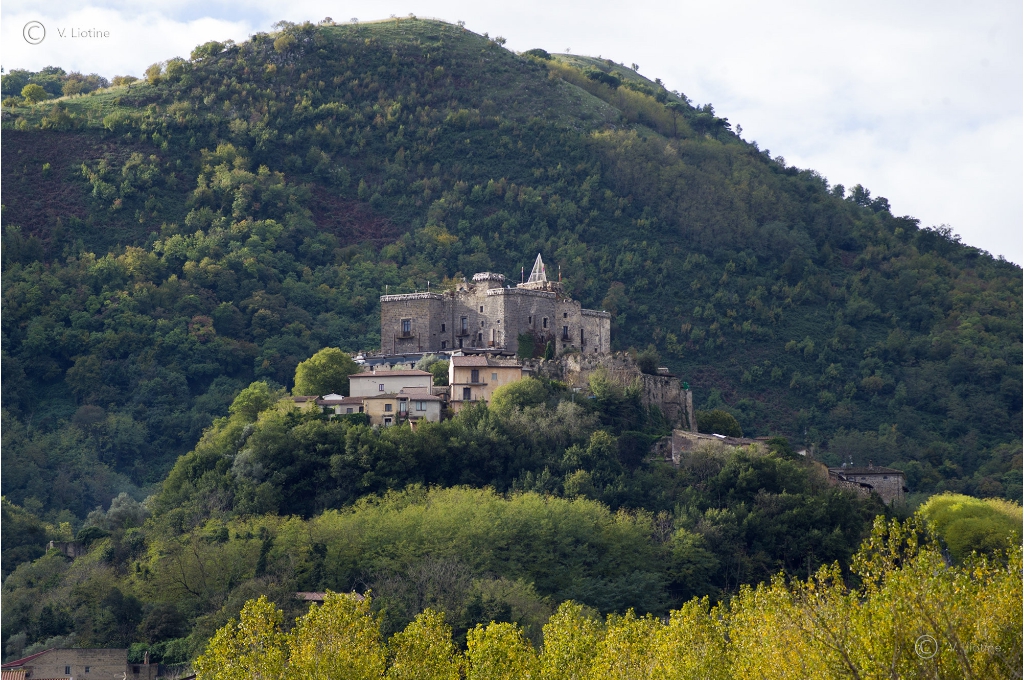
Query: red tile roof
point(21, 662)
point(389, 374)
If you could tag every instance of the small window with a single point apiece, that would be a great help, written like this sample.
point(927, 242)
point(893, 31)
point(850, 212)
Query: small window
point(474, 376)
point(479, 337)
point(406, 326)
point(387, 421)
point(380, 387)
point(421, 406)
point(530, 320)
point(565, 332)
point(360, 409)
point(481, 309)
point(403, 407)
point(545, 322)
point(67, 670)
point(481, 324)
point(444, 344)
point(86, 669)
point(464, 324)
point(466, 394)
point(387, 408)
point(348, 410)
point(565, 315)
point(494, 376)
point(442, 328)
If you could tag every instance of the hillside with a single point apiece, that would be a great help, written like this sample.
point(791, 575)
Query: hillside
point(169, 241)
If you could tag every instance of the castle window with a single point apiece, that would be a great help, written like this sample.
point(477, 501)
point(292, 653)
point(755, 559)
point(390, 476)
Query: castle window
point(582, 343)
point(67, 670)
point(406, 326)
point(565, 315)
point(465, 325)
point(444, 344)
point(479, 337)
point(530, 320)
point(481, 309)
point(565, 332)
point(545, 322)
point(442, 328)
point(481, 324)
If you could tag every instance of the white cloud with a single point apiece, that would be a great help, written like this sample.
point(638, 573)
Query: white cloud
point(133, 43)
point(919, 102)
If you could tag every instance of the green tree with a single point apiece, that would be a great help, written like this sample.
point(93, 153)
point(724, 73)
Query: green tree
point(325, 372)
point(253, 400)
point(718, 422)
point(966, 524)
point(528, 391)
point(34, 93)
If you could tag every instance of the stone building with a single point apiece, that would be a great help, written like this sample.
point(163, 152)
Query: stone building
point(889, 483)
point(98, 664)
point(488, 314)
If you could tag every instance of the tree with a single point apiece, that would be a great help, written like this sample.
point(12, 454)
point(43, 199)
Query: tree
point(325, 372)
point(570, 643)
point(251, 648)
point(424, 650)
point(499, 651)
point(34, 93)
point(253, 400)
point(719, 422)
point(519, 394)
point(154, 74)
point(338, 639)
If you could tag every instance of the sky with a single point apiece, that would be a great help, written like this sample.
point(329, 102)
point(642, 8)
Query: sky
point(920, 102)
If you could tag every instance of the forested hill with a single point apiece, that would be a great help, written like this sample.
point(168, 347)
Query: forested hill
point(168, 241)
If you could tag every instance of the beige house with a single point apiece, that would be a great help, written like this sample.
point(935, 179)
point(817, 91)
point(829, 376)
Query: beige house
point(377, 383)
point(474, 378)
point(410, 405)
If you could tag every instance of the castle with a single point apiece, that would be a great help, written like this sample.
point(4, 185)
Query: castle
point(487, 314)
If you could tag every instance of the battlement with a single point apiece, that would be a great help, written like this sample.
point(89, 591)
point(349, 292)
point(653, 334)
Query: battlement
point(411, 296)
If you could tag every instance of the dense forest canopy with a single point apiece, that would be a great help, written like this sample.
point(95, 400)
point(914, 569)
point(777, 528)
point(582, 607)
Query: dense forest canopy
point(176, 244)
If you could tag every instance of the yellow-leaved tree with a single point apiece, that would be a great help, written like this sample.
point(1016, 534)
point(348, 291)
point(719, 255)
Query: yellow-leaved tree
point(424, 650)
point(339, 640)
point(499, 651)
point(570, 643)
point(252, 648)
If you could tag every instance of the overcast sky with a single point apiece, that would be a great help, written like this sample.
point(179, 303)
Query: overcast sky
point(921, 102)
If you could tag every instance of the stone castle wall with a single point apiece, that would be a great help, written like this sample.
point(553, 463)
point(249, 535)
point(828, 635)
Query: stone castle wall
point(485, 314)
point(663, 391)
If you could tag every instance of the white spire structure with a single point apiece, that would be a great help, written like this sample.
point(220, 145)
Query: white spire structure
point(538, 275)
